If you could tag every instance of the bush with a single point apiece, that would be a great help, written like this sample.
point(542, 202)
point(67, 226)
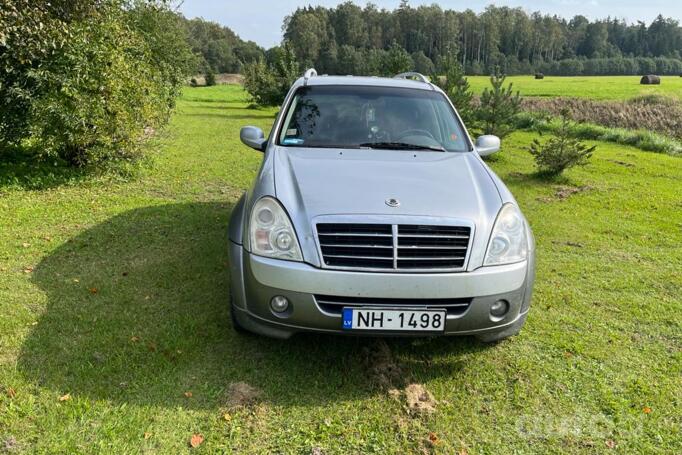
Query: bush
point(268, 84)
point(560, 152)
point(95, 97)
point(499, 106)
point(209, 77)
point(193, 82)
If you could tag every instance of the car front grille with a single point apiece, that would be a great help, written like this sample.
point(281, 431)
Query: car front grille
point(398, 247)
point(334, 304)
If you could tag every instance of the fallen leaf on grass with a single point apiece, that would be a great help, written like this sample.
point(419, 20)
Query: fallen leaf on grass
point(646, 410)
point(188, 394)
point(196, 440)
point(147, 435)
point(134, 339)
point(66, 397)
point(462, 451)
point(433, 438)
point(151, 347)
point(610, 443)
point(227, 417)
point(11, 393)
point(26, 245)
point(93, 290)
point(28, 269)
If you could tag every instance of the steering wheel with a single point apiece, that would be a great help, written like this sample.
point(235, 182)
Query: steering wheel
point(415, 132)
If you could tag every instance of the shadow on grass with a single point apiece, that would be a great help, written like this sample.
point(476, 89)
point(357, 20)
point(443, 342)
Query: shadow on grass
point(19, 168)
point(138, 313)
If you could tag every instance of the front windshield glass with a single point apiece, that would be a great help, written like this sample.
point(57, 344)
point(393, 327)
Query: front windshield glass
point(372, 117)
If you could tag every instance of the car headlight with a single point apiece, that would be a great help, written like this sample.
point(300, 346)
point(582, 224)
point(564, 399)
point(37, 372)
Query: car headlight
point(508, 241)
point(271, 231)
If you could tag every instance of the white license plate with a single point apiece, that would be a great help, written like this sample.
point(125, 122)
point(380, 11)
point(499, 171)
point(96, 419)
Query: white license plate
point(394, 320)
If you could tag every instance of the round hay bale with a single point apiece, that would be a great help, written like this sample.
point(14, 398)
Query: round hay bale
point(539, 76)
point(650, 79)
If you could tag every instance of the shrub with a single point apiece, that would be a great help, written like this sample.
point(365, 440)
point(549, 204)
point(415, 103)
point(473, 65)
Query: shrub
point(268, 84)
point(209, 77)
point(95, 97)
point(560, 152)
point(498, 106)
point(193, 82)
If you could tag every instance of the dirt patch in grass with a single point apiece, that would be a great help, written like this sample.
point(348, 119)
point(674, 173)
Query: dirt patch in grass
point(419, 400)
point(241, 394)
point(383, 370)
point(564, 192)
point(10, 445)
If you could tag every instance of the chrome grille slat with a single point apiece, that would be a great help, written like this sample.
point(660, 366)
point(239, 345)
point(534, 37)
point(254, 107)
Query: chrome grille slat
point(398, 247)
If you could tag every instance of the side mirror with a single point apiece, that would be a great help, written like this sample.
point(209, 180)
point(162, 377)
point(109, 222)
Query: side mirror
point(487, 145)
point(253, 137)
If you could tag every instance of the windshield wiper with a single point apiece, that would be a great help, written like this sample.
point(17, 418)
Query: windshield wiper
point(402, 146)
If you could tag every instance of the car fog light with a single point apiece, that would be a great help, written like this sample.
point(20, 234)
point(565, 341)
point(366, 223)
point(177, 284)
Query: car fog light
point(279, 304)
point(499, 308)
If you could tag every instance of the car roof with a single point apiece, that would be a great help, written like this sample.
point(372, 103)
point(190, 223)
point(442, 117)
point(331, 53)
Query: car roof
point(364, 81)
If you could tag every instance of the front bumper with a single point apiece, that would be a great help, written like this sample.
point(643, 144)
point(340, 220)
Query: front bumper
point(255, 280)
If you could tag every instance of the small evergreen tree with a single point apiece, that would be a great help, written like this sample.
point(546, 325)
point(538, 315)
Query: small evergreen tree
point(560, 152)
point(455, 86)
point(397, 60)
point(499, 106)
point(210, 77)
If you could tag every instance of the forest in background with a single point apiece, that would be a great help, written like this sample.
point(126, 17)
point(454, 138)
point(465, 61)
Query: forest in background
point(349, 39)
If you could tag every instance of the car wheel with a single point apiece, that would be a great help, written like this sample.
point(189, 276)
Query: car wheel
point(514, 329)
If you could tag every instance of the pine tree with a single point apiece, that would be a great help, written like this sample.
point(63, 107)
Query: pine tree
point(560, 152)
point(499, 106)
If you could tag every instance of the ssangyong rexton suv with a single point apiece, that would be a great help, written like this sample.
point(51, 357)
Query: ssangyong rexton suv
point(373, 213)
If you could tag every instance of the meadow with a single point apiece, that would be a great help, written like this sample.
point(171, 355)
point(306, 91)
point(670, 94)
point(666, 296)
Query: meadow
point(115, 333)
point(592, 87)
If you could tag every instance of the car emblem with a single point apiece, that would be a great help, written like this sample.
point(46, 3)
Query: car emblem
point(392, 202)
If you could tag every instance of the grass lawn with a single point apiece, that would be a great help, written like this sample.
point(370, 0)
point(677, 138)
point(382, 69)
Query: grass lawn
point(594, 87)
point(115, 334)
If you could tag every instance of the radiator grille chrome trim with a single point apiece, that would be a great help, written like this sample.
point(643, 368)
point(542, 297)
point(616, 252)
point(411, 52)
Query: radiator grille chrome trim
point(394, 247)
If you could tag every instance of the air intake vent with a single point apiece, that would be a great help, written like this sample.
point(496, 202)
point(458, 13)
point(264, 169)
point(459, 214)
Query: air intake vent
point(406, 247)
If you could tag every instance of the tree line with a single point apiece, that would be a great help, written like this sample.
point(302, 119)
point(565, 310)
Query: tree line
point(349, 39)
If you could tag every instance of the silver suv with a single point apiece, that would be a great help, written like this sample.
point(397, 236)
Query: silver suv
point(373, 213)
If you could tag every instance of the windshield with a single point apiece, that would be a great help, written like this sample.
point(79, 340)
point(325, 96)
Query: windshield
point(372, 117)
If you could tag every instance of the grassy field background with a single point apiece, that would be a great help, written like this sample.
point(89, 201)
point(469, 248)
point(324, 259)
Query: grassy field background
point(115, 333)
point(593, 87)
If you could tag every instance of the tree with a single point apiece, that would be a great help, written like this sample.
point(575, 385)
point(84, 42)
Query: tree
point(397, 60)
point(268, 84)
point(561, 152)
point(455, 86)
point(499, 106)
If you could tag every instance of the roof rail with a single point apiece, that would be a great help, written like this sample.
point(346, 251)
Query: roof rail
point(311, 72)
point(412, 76)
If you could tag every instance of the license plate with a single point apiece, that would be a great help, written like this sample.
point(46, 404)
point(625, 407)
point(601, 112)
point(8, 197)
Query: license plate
point(394, 320)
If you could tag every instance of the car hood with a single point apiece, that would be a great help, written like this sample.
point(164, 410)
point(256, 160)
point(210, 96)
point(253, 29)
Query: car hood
point(315, 182)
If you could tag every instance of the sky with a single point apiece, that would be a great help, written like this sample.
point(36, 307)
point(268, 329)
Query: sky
point(261, 20)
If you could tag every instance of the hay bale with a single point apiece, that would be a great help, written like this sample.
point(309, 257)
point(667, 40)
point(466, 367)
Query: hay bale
point(539, 76)
point(650, 79)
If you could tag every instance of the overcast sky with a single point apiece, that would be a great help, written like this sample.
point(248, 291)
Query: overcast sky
point(261, 20)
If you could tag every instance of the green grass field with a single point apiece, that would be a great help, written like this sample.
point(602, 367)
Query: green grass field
point(594, 87)
point(114, 294)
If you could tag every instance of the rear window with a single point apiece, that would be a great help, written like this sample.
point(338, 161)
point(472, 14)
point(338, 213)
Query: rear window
point(359, 116)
